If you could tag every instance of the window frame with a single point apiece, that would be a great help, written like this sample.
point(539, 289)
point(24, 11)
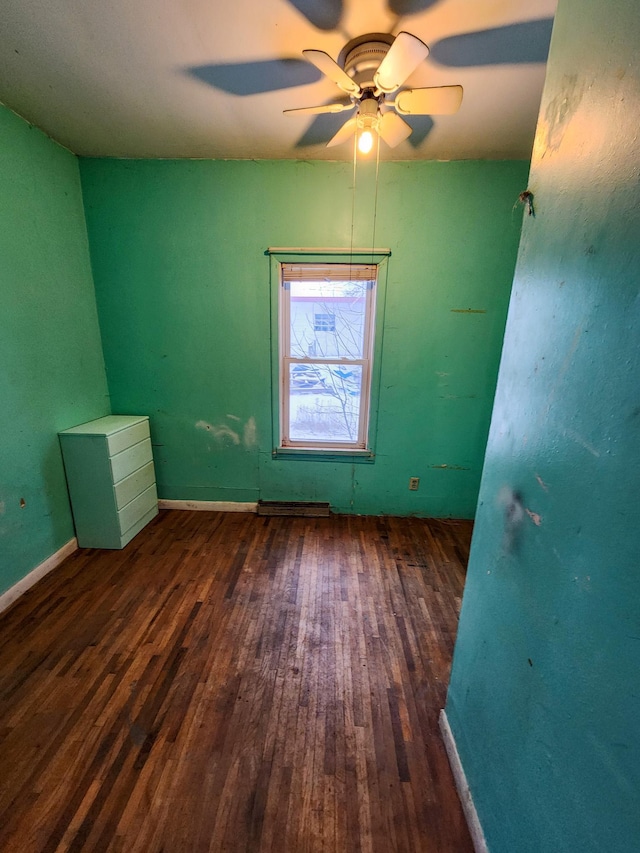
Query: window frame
point(364, 448)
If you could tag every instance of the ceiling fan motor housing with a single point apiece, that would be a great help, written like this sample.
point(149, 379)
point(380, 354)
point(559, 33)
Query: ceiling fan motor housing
point(362, 56)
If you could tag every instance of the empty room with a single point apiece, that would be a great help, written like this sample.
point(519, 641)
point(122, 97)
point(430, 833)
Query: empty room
point(319, 426)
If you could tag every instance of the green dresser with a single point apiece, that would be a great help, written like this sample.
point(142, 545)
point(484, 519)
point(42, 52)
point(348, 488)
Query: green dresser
point(111, 479)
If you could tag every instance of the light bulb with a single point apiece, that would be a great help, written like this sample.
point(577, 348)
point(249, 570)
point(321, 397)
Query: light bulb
point(365, 142)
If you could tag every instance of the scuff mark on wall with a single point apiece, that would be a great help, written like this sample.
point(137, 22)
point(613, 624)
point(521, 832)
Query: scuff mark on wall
point(468, 310)
point(442, 377)
point(541, 483)
point(513, 517)
point(223, 431)
point(219, 431)
point(451, 467)
point(537, 519)
point(582, 442)
point(250, 437)
point(558, 114)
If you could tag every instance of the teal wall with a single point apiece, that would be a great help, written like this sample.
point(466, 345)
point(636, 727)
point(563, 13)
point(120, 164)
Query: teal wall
point(52, 371)
point(544, 698)
point(182, 283)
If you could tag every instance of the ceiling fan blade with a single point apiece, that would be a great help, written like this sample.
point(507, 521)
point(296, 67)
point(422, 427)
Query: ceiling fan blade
point(405, 54)
point(325, 108)
point(347, 130)
point(324, 15)
point(320, 129)
point(332, 70)
point(435, 101)
point(254, 78)
point(409, 7)
point(526, 41)
point(393, 129)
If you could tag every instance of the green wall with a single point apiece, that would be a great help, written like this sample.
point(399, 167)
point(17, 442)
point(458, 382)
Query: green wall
point(52, 371)
point(182, 283)
point(544, 698)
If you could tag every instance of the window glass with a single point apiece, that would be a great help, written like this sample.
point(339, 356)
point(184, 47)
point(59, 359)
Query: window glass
point(327, 319)
point(324, 402)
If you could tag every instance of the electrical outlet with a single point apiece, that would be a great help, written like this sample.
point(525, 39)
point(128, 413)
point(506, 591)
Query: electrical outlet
point(414, 482)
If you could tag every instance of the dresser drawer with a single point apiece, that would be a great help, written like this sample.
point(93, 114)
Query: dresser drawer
point(128, 535)
point(137, 508)
point(129, 488)
point(129, 460)
point(119, 441)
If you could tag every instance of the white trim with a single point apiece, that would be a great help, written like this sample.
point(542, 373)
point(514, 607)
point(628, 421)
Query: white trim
point(210, 506)
point(309, 250)
point(7, 598)
point(468, 807)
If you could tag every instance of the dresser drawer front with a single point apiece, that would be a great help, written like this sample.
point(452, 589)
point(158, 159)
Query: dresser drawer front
point(129, 488)
point(137, 508)
point(129, 460)
point(128, 535)
point(119, 441)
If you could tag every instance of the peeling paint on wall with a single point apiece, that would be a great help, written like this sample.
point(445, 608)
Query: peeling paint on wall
point(223, 431)
point(250, 438)
point(560, 111)
point(537, 519)
point(450, 467)
point(219, 431)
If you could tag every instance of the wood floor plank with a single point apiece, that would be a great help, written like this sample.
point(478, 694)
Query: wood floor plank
point(230, 682)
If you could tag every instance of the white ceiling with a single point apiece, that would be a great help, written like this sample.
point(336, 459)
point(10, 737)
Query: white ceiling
point(152, 78)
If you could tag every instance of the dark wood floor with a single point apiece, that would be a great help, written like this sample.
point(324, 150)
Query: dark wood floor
point(236, 683)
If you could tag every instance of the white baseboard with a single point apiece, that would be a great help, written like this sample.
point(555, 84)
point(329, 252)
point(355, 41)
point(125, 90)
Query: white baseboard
point(210, 506)
point(475, 827)
point(7, 598)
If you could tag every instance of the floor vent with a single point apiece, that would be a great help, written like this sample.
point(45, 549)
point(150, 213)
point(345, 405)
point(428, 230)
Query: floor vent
point(307, 509)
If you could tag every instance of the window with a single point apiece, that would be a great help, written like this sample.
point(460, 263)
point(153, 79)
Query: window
point(326, 324)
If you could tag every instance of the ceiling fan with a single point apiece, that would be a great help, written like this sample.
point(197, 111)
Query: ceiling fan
point(369, 69)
